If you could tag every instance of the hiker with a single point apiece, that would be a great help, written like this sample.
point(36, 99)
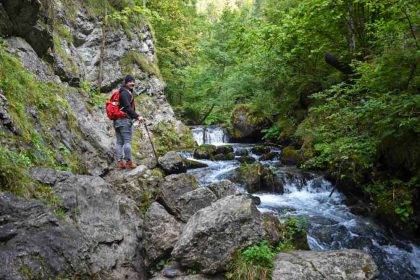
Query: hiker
point(124, 126)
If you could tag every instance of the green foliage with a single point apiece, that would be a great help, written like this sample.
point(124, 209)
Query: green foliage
point(96, 98)
point(394, 199)
point(256, 262)
point(270, 56)
point(261, 255)
point(13, 171)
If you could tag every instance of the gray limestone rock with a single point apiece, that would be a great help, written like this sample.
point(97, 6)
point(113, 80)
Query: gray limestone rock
point(35, 242)
point(172, 163)
point(190, 202)
point(161, 231)
point(110, 222)
point(223, 188)
point(331, 265)
point(172, 188)
point(212, 236)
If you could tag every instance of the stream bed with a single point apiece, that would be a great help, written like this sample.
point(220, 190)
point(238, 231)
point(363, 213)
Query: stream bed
point(331, 225)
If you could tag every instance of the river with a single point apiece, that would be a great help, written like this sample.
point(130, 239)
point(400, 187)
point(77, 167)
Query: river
point(331, 225)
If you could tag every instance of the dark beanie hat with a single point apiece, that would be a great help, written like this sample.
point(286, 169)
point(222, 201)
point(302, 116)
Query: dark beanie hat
point(128, 79)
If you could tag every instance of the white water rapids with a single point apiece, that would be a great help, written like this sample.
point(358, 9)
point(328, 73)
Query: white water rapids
point(331, 224)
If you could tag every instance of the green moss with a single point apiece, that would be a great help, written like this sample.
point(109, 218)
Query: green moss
point(67, 60)
point(132, 58)
point(35, 146)
point(26, 271)
point(147, 198)
point(64, 32)
point(166, 138)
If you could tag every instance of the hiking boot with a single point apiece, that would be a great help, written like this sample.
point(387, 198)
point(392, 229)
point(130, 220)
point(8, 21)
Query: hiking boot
point(121, 164)
point(130, 165)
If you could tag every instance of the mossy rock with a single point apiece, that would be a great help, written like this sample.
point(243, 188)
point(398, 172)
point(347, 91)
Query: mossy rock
point(205, 151)
point(193, 164)
point(224, 150)
point(241, 152)
point(246, 159)
point(212, 152)
point(167, 138)
point(291, 156)
point(259, 150)
point(256, 178)
point(229, 156)
point(269, 156)
point(246, 125)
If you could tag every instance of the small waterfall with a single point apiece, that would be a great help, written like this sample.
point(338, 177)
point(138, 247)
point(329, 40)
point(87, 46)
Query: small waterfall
point(209, 135)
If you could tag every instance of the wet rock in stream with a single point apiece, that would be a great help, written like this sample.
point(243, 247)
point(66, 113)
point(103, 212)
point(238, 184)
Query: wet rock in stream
point(258, 178)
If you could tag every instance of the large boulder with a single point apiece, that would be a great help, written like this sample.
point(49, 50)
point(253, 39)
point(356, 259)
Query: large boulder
point(212, 236)
point(245, 126)
point(172, 163)
point(223, 188)
point(35, 244)
point(172, 188)
point(190, 202)
point(256, 178)
point(161, 231)
point(110, 221)
point(26, 19)
point(344, 264)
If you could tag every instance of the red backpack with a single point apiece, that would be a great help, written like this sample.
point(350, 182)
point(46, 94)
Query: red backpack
point(113, 106)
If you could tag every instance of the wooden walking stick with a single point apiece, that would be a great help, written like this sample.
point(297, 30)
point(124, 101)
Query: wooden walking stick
point(151, 143)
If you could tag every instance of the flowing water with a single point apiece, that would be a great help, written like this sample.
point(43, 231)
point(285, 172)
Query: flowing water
point(331, 225)
point(209, 135)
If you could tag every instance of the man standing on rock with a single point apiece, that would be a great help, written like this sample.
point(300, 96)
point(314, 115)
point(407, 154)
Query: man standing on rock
point(124, 126)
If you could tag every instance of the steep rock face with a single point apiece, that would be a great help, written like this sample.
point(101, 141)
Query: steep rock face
point(344, 264)
point(26, 19)
point(109, 221)
point(34, 244)
point(73, 45)
point(59, 43)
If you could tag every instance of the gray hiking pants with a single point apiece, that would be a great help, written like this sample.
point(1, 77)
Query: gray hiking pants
point(124, 133)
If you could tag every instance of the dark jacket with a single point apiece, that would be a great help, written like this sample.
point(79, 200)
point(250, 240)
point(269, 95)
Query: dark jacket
point(127, 103)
